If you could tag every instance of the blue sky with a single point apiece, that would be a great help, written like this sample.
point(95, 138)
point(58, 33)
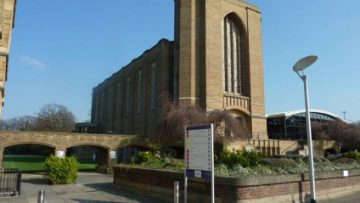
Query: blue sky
point(61, 49)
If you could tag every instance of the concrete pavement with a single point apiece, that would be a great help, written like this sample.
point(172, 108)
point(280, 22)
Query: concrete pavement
point(90, 188)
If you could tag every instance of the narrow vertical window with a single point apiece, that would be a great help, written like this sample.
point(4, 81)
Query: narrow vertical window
point(109, 104)
point(102, 107)
point(97, 108)
point(153, 85)
point(232, 55)
point(226, 72)
point(138, 91)
point(118, 100)
point(127, 106)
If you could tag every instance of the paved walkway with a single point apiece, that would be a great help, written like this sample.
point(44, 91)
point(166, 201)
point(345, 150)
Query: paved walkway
point(351, 198)
point(90, 188)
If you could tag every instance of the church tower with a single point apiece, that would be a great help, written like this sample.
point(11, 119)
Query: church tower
point(218, 61)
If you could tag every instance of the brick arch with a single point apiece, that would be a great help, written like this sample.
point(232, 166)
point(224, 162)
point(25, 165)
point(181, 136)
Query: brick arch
point(60, 141)
point(88, 144)
point(102, 153)
point(21, 139)
point(235, 15)
point(238, 110)
point(29, 143)
point(244, 116)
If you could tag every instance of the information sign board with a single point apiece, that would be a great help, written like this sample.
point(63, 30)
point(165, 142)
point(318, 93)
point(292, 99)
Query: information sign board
point(198, 151)
point(199, 159)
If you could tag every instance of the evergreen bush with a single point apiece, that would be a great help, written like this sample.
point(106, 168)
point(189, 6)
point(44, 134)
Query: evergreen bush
point(242, 157)
point(62, 170)
point(151, 160)
point(353, 155)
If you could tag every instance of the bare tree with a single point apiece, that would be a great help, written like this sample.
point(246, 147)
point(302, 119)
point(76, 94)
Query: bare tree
point(55, 117)
point(347, 135)
point(23, 123)
point(176, 118)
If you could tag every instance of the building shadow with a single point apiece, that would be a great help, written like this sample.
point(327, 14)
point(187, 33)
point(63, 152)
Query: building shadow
point(94, 201)
point(109, 188)
point(36, 181)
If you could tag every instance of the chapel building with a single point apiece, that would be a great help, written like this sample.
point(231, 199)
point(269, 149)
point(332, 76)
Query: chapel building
point(214, 62)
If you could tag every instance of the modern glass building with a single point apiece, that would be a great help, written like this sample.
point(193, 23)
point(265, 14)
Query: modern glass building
point(292, 125)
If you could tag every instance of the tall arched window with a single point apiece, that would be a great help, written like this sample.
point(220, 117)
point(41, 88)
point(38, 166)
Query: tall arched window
point(233, 56)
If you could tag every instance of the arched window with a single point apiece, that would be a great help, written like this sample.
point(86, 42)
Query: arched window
point(233, 55)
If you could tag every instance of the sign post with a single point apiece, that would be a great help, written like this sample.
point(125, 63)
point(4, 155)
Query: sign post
point(199, 155)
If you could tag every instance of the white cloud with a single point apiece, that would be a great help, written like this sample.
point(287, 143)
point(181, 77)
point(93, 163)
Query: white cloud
point(33, 62)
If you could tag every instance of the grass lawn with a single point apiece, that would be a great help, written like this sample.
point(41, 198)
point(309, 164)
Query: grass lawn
point(32, 163)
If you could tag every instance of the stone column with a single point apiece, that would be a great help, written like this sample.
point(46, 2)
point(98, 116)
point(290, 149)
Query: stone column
point(103, 160)
point(113, 159)
point(1, 155)
point(60, 152)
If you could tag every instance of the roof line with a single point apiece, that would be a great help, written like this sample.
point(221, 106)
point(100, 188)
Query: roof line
point(290, 113)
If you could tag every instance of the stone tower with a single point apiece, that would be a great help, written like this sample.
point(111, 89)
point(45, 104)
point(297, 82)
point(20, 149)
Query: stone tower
point(218, 61)
point(7, 16)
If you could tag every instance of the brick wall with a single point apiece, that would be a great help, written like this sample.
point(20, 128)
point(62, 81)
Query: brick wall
point(126, 103)
point(284, 188)
point(7, 13)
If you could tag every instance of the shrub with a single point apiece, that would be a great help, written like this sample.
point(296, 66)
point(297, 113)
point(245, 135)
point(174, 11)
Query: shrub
point(238, 170)
point(281, 163)
point(344, 161)
point(145, 157)
point(150, 160)
point(62, 170)
point(253, 157)
point(324, 165)
point(263, 170)
point(353, 155)
point(286, 166)
point(221, 170)
point(244, 158)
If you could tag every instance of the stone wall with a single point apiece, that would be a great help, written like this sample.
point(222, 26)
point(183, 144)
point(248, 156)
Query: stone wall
point(283, 188)
point(61, 141)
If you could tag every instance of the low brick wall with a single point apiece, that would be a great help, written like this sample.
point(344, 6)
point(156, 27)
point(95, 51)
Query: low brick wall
point(283, 188)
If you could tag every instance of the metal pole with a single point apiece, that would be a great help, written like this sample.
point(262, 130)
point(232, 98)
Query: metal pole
point(185, 188)
point(309, 141)
point(212, 166)
point(185, 177)
point(41, 196)
point(18, 186)
point(344, 113)
point(176, 191)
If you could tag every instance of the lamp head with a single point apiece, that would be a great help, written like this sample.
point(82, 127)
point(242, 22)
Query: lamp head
point(303, 63)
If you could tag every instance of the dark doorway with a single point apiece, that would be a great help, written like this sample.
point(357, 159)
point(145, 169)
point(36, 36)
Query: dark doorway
point(27, 157)
point(91, 158)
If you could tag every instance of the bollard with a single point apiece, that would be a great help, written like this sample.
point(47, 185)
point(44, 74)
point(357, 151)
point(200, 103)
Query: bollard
point(41, 196)
point(176, 191)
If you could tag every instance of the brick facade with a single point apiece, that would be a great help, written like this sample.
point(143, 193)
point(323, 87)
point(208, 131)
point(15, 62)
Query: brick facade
point(130, 100)
point(191, 70)
point(282, 188)
point(7, 17)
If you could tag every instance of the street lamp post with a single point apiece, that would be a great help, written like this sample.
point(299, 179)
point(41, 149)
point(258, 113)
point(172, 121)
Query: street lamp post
point(299, 68)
